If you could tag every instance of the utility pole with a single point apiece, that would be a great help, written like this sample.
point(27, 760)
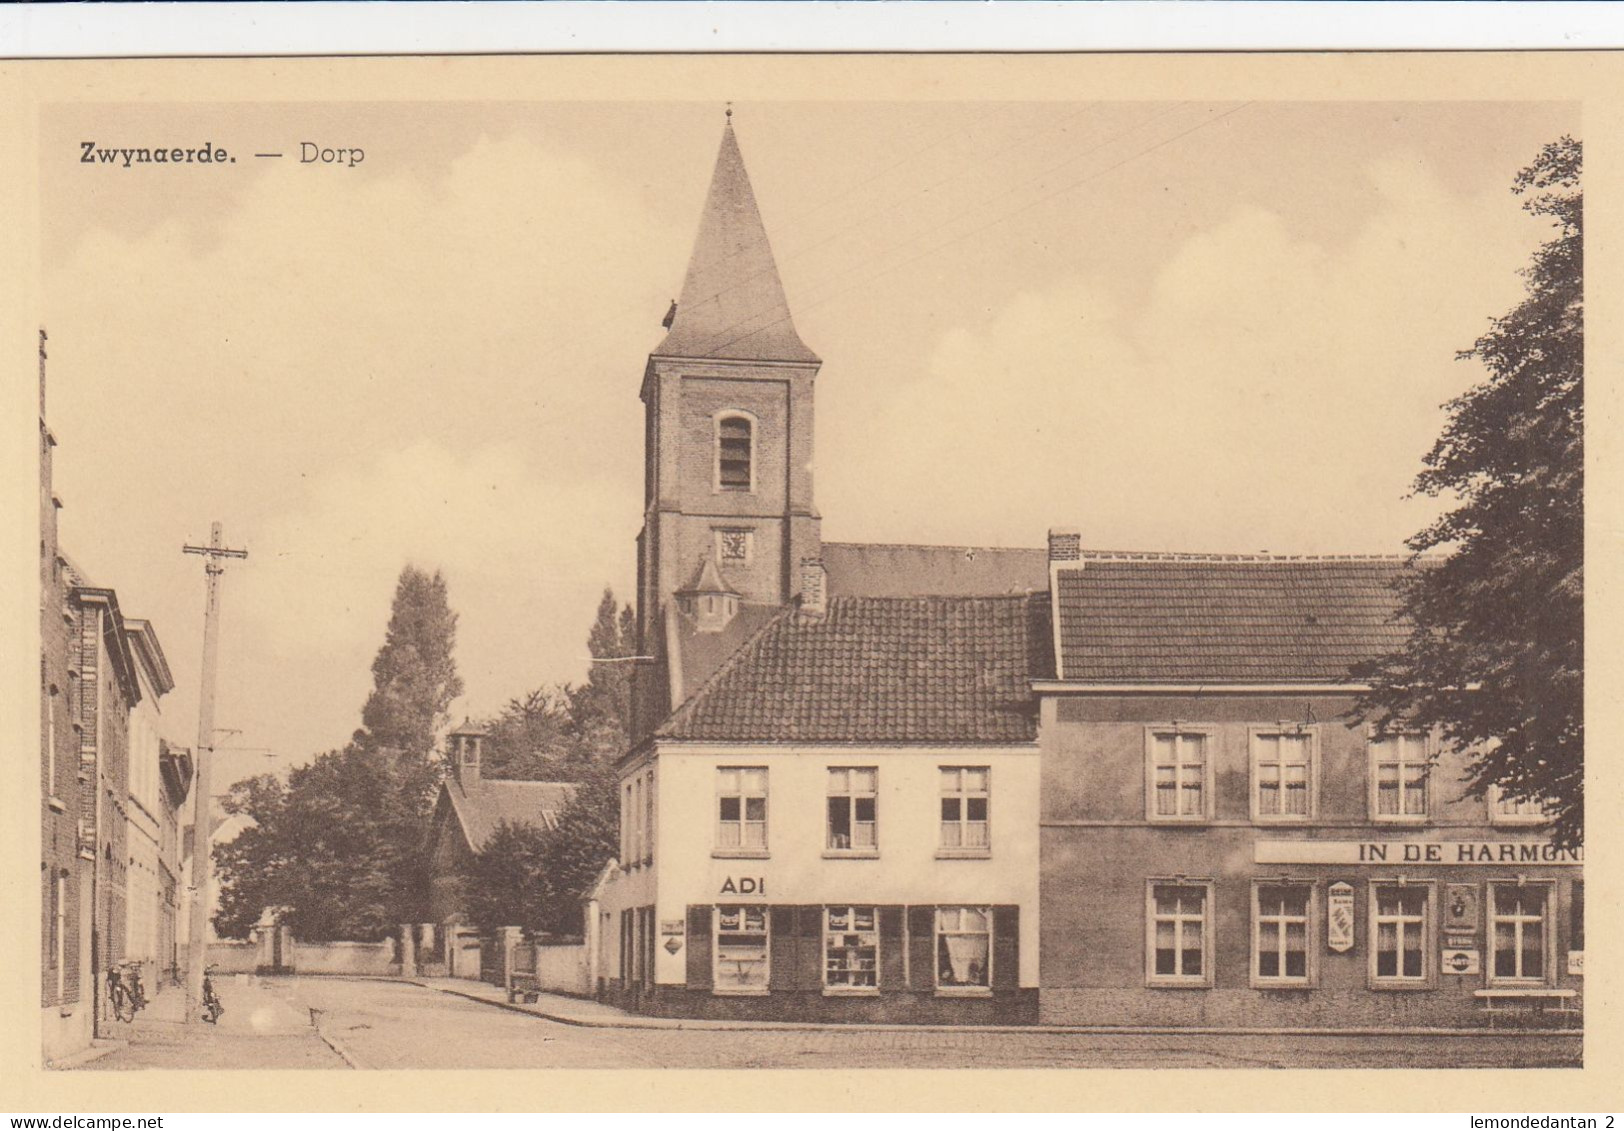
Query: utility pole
point(203, 806)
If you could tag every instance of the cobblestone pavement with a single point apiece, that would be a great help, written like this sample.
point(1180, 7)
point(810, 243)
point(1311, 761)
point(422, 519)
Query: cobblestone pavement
point(380, 1024)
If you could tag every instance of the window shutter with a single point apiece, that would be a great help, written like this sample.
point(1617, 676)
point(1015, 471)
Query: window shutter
point(809, 948)
point(891, 964)
point(922, 947)
point(1006, 948)
point(781, 972)
point(699, 947)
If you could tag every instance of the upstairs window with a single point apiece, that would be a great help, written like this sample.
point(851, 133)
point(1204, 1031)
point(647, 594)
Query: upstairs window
point(966, 798)
point(735, 453)
point(741, 809)
point(1507, 810)
point(853, 802)
point(1398, 772)
point(1283, 775)
point(1178, 771)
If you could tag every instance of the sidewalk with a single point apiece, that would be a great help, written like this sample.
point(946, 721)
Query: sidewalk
point(259, 1029)
point(595, 1015)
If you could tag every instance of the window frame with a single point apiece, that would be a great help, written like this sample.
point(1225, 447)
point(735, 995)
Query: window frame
point(1547, 936)
point(1496, 817)
point(961, 851)
point(1202, 981)
point(937, 933)
point(752, 990)
point(1430, 952)
point(851, 795)
point(849, 989)
point(1209, 742)
point(742, 851)
point(1373, 765)
point(1255, 783)
point(717, 486)
point(1311, 931)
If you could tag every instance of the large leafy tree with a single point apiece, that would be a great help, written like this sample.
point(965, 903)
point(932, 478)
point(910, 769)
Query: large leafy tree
point(535, 878)
point(339, 846)
point(1495, 656)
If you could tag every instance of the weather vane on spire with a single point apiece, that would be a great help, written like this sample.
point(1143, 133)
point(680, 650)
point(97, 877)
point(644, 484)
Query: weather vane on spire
point(730, 113)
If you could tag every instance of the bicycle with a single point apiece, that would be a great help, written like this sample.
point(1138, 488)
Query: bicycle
point(212, 1006)
point(123, 997)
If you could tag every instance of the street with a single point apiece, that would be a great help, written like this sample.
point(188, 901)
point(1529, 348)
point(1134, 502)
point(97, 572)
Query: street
point(376, 1024)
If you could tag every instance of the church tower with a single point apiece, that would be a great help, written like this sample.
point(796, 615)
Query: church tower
point(728, 418)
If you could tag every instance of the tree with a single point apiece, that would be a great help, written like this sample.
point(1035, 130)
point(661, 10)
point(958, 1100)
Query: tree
point(339, 847)
point(414, 675)
point(506, 885)
point(1495, 655)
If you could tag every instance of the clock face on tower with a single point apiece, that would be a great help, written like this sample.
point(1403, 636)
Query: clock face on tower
point(733, 546)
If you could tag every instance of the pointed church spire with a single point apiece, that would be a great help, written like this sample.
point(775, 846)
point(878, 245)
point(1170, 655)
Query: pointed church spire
point(732, 304)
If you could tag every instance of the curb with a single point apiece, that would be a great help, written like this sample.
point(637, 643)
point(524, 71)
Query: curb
point(697, 1024)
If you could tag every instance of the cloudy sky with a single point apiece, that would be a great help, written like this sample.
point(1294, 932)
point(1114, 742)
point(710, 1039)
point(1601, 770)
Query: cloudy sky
point(1191, 326)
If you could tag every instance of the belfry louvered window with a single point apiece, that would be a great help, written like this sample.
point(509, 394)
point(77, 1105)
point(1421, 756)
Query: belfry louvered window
point(735, 450)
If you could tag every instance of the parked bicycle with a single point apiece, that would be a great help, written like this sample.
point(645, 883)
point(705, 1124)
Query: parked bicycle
point(125, 991)
point(212, 1006)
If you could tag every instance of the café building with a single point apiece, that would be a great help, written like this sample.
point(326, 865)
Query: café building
point(1224, 845)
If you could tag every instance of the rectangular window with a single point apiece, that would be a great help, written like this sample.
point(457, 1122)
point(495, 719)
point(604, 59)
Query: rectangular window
point(963, 948)
point(1400, 934)
point(1506, 810)
point(966, 800)
point(1282, 924)
point(648, 820)
point(1520, 932)
point(1180, 937)
point(1282, 774)
point(627, 816)
point(1178, 766)
point(853, 804)
point(742, 951)
point(733, 454)
point(851, 948)
point(50, 743)
point(741, 808)
point(1576, 917)
point(1399, 766)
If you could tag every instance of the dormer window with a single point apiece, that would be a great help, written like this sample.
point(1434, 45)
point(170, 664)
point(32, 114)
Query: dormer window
point(735, 451)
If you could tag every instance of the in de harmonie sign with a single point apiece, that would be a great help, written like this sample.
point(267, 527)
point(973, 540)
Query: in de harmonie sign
point(1378, 852)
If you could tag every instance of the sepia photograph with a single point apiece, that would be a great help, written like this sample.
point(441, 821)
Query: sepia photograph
point(950, 580)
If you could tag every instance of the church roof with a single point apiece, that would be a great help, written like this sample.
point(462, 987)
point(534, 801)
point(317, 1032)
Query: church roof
point(732, 304)
point(708, 579)
point(880, 570)
point(948, 670)
point(495, 800)
point(1225, 618)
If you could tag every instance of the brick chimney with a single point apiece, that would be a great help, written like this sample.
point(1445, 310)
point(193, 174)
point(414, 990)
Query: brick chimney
point(467, 746)
point(1065, 544)
point(814, 597)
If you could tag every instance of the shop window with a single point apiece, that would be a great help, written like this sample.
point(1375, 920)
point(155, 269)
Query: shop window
point(1180, 935)
point(1283, 774)
point(966, 801)
point(1282, 925)
point(734, 454)
point(853, 803)
point(1401, 934)
point(963, 948)
point(1399, 767)
point(1520, 932)
point(1179, 770)
point(743, 950)
point(851, 948)
point(741, 806)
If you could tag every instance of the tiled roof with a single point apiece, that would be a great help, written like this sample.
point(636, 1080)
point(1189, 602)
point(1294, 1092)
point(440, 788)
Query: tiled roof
point(878, 570)
point(496, 800)
point(882, 670)
point(1225, 617)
